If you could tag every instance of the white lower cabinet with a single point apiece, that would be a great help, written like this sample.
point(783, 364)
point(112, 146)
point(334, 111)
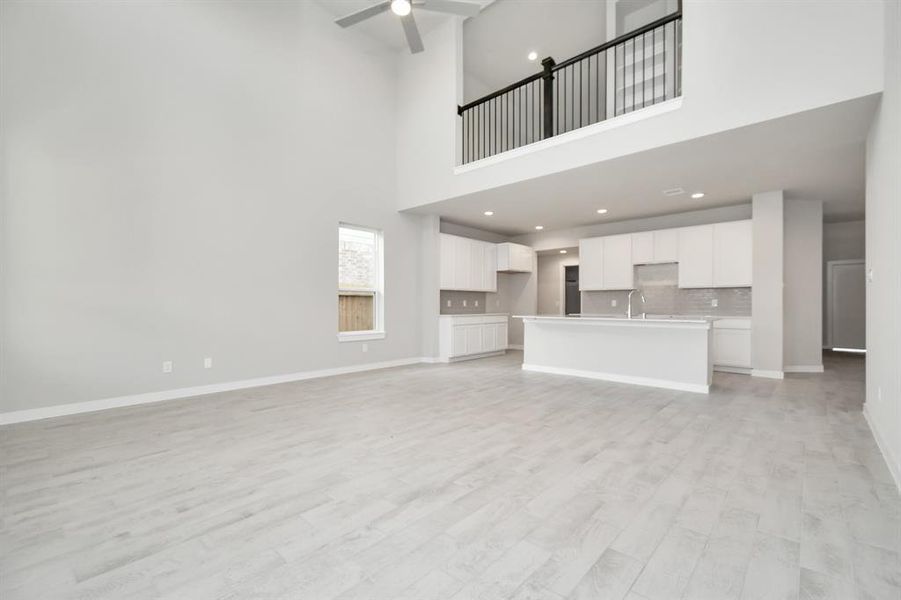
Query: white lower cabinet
point(732, 344)
point(470, 336)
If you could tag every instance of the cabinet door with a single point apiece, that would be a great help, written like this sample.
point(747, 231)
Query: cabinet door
point(618, 262)
point(446, 268)
point(462, 263)
point(591, 264)
point(501, 336)
point(490, 267)
point(732, 254)
point(489, 337)
point(473, 339)
point(523, 262)
point(696, 257)
point(643, 248)
point(732, 347)
point(459, 342)
point(666, 245)
point(477, 266)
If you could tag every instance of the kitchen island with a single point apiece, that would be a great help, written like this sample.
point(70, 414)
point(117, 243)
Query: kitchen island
point(669, 353)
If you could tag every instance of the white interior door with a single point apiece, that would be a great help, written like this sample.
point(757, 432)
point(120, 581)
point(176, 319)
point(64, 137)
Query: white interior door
point(846, 303)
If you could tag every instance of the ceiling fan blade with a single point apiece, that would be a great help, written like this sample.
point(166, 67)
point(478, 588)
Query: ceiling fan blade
point(412, 32)
point(362, 15)
point(454, 7)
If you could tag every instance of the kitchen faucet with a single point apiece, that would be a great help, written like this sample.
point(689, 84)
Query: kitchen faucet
point(640, 295)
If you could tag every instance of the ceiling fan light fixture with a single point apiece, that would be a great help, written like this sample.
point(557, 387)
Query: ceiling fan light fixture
point(401, 7)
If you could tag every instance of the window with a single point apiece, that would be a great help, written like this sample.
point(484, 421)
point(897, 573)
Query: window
point(360, 283)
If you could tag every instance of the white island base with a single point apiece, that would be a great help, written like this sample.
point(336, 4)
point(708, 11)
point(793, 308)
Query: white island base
point(666, 353)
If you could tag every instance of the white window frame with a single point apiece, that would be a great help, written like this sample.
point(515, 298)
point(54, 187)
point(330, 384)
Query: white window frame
point(378, 298)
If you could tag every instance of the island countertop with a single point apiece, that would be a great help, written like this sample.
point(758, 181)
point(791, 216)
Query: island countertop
point(701, 322)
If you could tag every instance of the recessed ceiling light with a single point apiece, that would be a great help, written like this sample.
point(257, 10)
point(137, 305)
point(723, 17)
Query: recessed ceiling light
point(563, 252)
point(539, 227)
point(488, 213)
point(533, 55)
point(401, 7)
point(697, 195)
point(602, 211)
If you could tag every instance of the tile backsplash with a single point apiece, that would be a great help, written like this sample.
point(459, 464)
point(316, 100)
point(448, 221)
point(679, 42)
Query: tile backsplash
point(456, 300)
point(660, 286)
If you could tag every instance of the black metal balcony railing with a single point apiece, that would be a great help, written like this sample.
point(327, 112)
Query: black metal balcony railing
point(635, 70)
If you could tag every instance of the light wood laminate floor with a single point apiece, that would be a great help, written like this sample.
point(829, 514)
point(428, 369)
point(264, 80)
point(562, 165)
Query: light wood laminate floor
point(473, 480)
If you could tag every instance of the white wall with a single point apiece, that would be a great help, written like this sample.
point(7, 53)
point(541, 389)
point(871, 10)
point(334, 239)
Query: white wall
point(735, 54)
point(550, 281)
point(883, 249)
point(803, 306)
point(174, 174)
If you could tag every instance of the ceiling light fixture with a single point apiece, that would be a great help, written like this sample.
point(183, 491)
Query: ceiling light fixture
point(563, 252)
point(539, 227)
point(673, 192)
point(533, 55)
point(602, 211)
point(401, 7)
point(697, 195)
point(488, 213)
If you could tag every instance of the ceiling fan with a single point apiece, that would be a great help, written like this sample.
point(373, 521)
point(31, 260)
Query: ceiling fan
point(404, 10)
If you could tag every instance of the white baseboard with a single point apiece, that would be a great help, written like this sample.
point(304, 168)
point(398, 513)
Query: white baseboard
point(893, 463)
point(514, 347)
point(647, 381)
point(470, 356)
point(803, 369)
point(60, 410)
point(728, 369)
point(767, 374)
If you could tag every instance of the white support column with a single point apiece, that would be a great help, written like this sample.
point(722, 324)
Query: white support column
point(429, 285)
point(767, 291)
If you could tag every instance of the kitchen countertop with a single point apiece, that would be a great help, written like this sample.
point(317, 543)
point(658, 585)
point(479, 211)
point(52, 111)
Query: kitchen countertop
point(618, 319)
point(477, 315)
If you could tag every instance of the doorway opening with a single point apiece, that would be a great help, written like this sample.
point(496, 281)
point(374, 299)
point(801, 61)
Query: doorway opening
point(572, 301)
point(846, 305)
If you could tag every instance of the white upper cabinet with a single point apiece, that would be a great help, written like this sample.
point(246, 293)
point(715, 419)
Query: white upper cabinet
point(591, 264)
point(514, 258)
point(489, 268)
point(468, 265)
point(447, 262)
point(618, 270)
point(605, 263)
point(708, 256)
point(696, 257)
point(643, 248)
point(666, 246)
point(649, 247)
point(732, 254)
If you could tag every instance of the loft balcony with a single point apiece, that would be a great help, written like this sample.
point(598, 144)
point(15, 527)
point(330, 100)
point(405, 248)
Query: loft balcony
point(632, 72)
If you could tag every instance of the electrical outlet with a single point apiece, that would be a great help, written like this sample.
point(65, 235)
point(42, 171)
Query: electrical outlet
point(879, 393)
point(448, 303)
point(477, 303)
point(464, 304)
point(208, 363)
point(714, 303)
point(167, 366)
point(613, 303)
point(365, 347)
